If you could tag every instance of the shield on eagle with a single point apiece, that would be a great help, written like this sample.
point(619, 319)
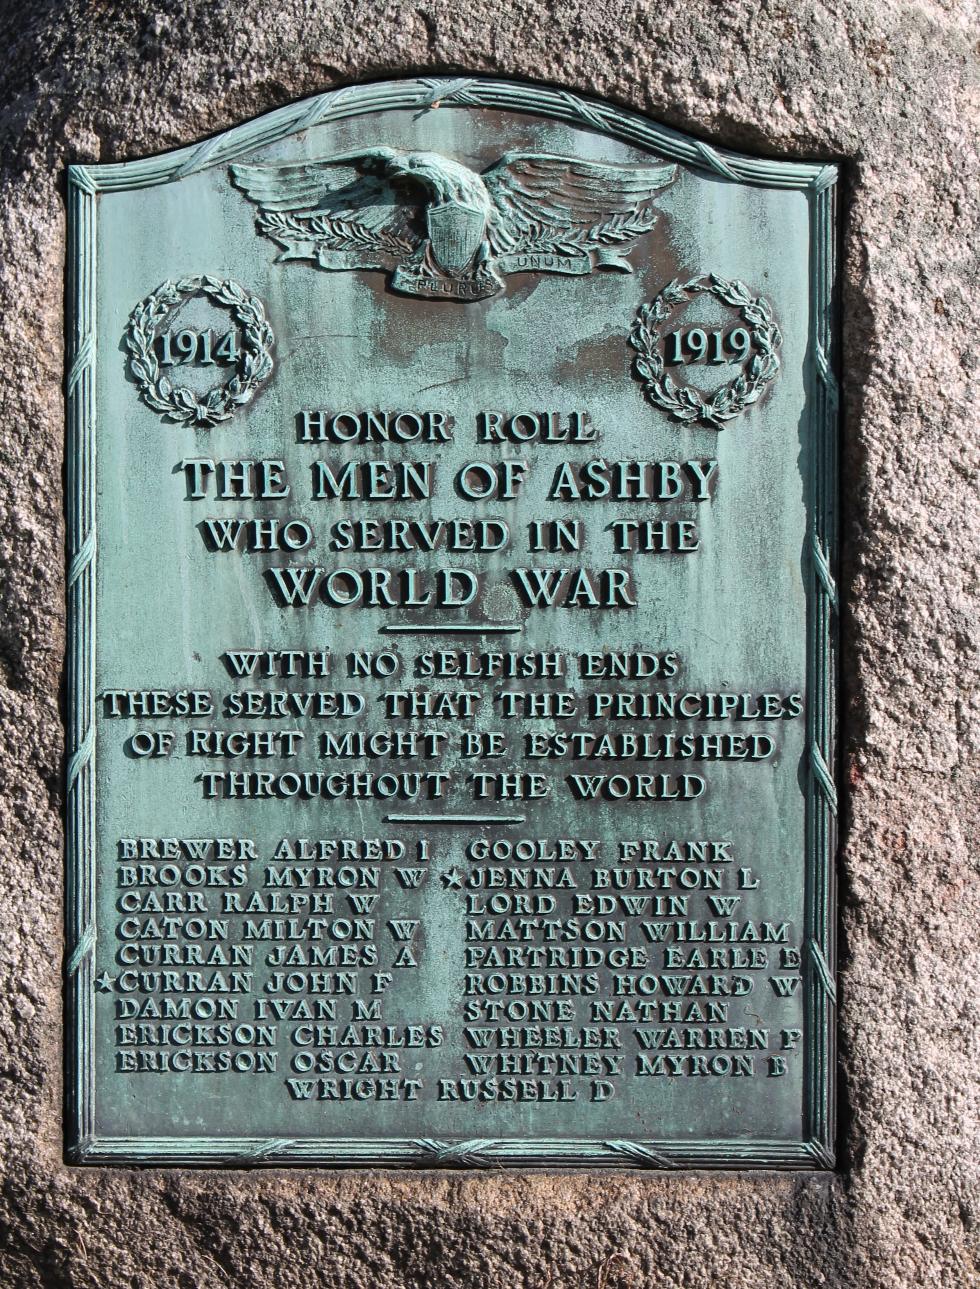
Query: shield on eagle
point(455, 233)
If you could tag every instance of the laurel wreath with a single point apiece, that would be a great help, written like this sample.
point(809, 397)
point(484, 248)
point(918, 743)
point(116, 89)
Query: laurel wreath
point(684, 403)
point(177, 402)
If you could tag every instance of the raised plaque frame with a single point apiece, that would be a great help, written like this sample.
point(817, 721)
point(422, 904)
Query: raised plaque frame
point(818, 180)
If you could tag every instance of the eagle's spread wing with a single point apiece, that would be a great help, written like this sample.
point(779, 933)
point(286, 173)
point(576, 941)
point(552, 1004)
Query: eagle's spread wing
point(342, 203)
point(545, 201)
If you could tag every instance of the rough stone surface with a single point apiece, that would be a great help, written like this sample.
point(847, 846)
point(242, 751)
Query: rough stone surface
point(887, 87)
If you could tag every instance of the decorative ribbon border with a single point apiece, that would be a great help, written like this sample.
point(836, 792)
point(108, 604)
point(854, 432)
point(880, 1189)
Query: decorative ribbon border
point(429, 94)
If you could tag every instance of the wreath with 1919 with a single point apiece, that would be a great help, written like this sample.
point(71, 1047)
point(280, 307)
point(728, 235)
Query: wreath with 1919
point(683, 402)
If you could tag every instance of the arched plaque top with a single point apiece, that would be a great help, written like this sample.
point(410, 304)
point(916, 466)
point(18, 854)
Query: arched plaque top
point(431, 93)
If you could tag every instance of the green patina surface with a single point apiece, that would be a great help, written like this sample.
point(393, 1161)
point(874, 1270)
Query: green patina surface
point(750, 612)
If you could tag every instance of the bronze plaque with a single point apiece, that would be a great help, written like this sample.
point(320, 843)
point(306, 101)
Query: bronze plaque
point(453, 490)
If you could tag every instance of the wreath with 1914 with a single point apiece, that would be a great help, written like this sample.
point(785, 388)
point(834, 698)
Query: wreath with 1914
point(683, 402)
point(177, 402)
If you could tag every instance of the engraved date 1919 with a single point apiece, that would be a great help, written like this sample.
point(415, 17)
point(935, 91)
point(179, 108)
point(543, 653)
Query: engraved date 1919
point(696, 345)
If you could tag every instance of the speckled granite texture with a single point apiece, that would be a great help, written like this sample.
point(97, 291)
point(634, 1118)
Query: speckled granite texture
point(887, 88)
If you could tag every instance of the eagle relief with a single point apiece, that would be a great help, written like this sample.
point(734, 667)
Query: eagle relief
point(442, 230)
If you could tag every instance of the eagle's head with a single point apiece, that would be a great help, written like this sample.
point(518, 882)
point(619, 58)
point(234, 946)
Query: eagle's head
point(446, 180)
point(422, 165)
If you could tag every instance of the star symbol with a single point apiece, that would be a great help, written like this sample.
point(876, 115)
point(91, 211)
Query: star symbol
point(105, 982)
point(453, 880)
